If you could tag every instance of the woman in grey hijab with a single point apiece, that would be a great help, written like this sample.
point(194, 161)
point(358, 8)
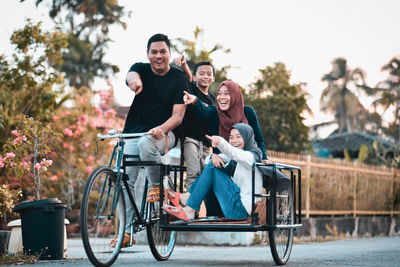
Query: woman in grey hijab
point(249, 142)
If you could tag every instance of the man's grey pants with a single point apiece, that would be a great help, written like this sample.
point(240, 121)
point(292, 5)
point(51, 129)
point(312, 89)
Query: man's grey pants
point(149, 149)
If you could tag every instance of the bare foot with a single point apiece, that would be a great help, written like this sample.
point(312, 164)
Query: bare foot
point(190, 213)
point(184, 198)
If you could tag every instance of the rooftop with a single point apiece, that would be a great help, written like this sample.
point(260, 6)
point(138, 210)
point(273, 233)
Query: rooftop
point(336, 143)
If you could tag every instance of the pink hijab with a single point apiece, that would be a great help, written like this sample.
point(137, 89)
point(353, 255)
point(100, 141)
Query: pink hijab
point(235, 112)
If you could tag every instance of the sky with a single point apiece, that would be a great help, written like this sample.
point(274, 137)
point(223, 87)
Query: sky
point(306, 35)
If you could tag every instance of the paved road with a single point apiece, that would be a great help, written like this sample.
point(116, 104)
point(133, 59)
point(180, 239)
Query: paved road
point(380, 251)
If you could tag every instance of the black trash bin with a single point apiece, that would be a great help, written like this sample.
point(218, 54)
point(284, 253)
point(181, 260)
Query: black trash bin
point(42, 223)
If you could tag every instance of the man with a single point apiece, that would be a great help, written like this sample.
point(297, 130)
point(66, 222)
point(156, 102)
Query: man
point(158, 106)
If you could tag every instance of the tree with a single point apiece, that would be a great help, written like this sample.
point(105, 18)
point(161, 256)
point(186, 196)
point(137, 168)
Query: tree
point(194, 55)
point(339, 98)
point(279, 106)
point(84, 61)
point(87, 36)
point(97, 13)
point(388, 93)
point(31, 83)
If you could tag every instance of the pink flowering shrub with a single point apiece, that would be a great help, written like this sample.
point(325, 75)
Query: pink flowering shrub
point(75, 152)
point(68, 157)
point(27, 151)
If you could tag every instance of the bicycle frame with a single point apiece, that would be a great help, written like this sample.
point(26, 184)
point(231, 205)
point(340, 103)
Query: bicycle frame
point(121, 162)
point(119, 157)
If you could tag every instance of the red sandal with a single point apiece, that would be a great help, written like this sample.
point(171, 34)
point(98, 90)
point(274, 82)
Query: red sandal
point(173, 199)
point(177, 212)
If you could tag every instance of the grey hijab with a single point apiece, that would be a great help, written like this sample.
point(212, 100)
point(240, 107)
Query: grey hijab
point(250, 144)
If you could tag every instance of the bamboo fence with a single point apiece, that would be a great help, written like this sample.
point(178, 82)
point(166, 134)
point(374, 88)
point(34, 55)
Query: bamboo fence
point(336, 187)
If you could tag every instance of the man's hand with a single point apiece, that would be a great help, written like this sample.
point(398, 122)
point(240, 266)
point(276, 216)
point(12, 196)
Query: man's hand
point(217, 161)
point(214, 140)
point(157, 133)
point(136, 86)
point(134, 82)
point(189, 99)
point(180, 61)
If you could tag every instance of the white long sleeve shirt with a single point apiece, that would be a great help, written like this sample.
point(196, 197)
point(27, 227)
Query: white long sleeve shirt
point(242, 175)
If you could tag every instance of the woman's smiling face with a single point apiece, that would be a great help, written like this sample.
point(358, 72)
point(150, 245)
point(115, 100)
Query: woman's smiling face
point(236, 139)
point(223, 98)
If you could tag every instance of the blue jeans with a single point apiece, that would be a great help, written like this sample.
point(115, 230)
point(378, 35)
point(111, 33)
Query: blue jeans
point(226, 191)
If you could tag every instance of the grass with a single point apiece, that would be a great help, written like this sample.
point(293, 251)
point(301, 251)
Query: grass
point(18, 259)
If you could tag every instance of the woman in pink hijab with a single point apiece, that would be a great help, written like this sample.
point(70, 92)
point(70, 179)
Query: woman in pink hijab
point(230, 110)
point(230, 107)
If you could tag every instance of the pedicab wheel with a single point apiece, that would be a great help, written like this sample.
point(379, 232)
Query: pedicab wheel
point(161, 242)
point(100, 224)
point(281, 239)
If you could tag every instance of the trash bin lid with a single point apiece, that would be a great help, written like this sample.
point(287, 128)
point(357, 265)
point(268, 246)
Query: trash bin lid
point(36, 204)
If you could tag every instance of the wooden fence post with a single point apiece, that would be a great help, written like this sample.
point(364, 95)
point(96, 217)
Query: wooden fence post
point(355, 191)
point(392, 194)
point(308, 178)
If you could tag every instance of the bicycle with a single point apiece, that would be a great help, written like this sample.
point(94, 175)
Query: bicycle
point(103, 209)
point(103, 216)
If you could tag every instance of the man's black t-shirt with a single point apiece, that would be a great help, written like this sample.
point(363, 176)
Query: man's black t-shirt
point(153, 106)
point(193, 127)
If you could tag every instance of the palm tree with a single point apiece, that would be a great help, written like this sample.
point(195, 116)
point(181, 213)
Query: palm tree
point(339, 98)
point(389, 93)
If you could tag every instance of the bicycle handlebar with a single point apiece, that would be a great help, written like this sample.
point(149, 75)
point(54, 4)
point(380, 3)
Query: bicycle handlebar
point(122, 135)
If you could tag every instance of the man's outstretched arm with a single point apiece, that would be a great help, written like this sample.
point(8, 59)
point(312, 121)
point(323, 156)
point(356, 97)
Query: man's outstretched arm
point(176, 118)
point(134, 82)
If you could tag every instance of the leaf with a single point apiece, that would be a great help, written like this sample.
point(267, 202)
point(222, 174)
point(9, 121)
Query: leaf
point(375, 145)
point(363, 153)
point(347, 156)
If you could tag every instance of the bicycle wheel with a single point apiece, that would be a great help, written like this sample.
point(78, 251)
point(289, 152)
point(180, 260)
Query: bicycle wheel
point(161, 242)
point(281, 239)
point(99, 223)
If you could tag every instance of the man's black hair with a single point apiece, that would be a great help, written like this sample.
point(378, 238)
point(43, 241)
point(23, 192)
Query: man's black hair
point(203, 63)
point(159, 37)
